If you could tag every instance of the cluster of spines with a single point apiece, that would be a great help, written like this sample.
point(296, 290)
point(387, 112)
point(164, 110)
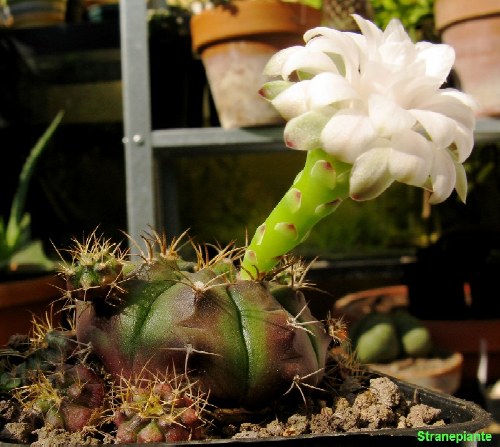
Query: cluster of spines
point(158, 409)
point(70, 398)
point(97, 264)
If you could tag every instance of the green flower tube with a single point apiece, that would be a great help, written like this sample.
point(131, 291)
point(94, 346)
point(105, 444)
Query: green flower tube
point(316, 192)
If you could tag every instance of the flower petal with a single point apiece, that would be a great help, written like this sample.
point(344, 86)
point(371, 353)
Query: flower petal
point(328, 88)
point(274, 66)
point(372, 33)
point(455, 105)
point(443, 176)
point(303, 132)
point(379, 97)
point(335, 44)
point(387, 116)
point(395, 31)
point(410, 160)
point(293, 101)
point(370, 176)
point(305, 60)
point(464, 142)
point(410, 89)
point(439, 59)
point(347, 135)
point(273, 88)
point(440, 128)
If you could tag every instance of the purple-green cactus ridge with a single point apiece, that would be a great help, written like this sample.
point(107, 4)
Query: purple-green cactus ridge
point(245, 342)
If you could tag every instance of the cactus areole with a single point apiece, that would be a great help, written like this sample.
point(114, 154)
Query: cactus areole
point(244, 342)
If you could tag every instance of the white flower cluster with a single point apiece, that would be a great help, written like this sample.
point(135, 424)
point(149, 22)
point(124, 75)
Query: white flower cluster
point(374, 100)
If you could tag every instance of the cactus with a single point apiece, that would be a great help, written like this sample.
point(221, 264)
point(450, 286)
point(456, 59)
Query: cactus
point(316, 192)
point(243, 333)
point(375, 339)
point(46, 375)
point(244, 341)
point(158, 410)
point(46, 348)
point(383, 337)
point(71, 398)
point(369, 111)
point(415, 337)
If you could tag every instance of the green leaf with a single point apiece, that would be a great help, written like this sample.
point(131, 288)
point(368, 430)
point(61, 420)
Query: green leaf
point(17, 231)
point(34, 255)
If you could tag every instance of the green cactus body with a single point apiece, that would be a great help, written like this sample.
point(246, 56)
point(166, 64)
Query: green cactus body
point(375, 339)
point(382, 337)
point(245, 342)
point(415, 337)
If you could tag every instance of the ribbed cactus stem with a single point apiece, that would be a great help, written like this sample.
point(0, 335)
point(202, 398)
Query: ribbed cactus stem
point(316, 192)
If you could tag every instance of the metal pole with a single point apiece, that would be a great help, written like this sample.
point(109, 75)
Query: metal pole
point(139, 163)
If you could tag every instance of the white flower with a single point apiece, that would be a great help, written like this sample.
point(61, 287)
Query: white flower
point(374, 100)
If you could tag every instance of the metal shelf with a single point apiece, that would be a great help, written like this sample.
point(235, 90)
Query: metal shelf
point(212, 140)
point(487, 130)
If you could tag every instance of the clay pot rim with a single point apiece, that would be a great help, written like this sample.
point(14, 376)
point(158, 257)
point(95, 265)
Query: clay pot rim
point(244, 18)
point(13, 293)
point(447, 13)
point(455, 358)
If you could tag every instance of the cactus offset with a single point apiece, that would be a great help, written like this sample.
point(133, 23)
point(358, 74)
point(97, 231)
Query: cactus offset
point(47, 348)
point(157, 410)
point(47, 376)
point(244, 342)
point(71, 398)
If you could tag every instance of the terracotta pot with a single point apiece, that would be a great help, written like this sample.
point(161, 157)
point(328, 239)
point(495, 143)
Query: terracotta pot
point(32, 13)
point(23, 298)
point(466, 335)
point(442, 373)
point(235, 42)
point(472, 28)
